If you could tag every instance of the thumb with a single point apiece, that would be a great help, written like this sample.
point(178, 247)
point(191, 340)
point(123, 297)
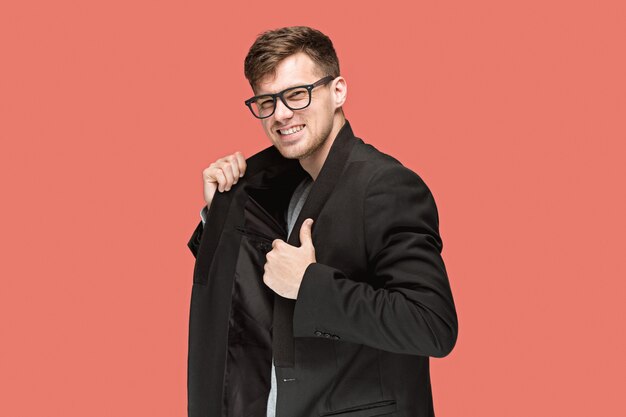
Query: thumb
point(305, 232)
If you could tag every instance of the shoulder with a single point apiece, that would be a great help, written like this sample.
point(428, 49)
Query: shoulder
point(397, 202)
point(382, 168)
point(392, 189)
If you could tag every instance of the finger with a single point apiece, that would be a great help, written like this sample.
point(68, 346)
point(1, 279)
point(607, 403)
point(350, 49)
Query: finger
point(234, 166)
point(241, 163)
point(228, 174)
point(209, 191)
point(221, 180)
point(305, 232)
point(208, 174)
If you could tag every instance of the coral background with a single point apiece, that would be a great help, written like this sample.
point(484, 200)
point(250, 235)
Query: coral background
point(513, 112)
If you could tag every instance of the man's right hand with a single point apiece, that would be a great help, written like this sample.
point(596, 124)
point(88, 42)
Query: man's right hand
point(222, 174)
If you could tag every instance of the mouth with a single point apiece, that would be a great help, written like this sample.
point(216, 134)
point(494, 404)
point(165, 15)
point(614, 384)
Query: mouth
point(290, 132)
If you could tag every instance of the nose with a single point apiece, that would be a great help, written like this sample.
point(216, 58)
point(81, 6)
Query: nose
point(282, 112)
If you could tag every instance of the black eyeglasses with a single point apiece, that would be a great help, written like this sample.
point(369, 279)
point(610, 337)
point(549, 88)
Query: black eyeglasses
point(295, 98)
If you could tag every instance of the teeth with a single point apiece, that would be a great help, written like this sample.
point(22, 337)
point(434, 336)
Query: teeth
point(292, 130)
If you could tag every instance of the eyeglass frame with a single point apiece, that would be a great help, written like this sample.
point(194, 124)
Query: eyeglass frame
point(309, 87)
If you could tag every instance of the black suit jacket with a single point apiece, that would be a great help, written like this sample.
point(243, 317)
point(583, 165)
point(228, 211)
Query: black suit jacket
point(369, 313)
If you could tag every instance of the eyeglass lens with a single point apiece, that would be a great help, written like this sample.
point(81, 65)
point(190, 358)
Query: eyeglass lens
point(296, 98)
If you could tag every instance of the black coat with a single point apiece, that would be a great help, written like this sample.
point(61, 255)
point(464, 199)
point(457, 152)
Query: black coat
point(369, 313)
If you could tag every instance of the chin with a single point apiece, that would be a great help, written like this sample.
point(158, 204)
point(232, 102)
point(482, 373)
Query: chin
point(289, 153)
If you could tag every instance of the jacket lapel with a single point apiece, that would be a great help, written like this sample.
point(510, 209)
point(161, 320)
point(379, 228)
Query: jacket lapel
point(282, 339)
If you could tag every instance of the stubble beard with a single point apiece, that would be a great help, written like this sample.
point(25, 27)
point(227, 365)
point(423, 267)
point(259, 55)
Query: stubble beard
point(314, 147)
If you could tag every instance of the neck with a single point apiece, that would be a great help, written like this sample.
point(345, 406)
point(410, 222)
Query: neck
point(313, 163)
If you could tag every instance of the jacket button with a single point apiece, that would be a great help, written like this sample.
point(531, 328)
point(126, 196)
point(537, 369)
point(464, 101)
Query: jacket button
point(318, 333)
point(335, 336)
point(326, 334)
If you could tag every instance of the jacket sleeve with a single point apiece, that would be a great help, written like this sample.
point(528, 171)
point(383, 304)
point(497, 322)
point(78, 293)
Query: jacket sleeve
point(412, 311)
point(194, 241)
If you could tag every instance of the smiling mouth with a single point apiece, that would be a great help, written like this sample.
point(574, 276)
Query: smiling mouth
point(290, 131)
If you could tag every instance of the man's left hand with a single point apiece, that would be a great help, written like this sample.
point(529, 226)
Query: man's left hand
point(285, 265)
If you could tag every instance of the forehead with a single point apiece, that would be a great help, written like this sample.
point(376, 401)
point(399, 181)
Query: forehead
point(296, 69)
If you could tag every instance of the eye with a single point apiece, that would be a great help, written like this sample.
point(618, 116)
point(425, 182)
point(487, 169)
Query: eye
point(265, 103)
point(297, 94)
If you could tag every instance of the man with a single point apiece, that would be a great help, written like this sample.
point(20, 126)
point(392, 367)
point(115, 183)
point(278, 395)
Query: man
point(319, 287)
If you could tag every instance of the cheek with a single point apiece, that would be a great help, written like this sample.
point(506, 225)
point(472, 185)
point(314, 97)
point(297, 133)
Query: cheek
point(266, 127)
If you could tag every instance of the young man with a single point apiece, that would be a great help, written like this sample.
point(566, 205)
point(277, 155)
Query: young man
point(319, 287)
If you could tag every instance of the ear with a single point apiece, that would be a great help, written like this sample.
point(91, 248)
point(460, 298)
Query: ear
point(339, 91)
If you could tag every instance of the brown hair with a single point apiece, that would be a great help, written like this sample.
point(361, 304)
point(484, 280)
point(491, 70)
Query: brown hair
point(272, 46)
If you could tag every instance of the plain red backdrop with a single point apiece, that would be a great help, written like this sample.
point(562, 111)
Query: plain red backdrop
point(512, 112)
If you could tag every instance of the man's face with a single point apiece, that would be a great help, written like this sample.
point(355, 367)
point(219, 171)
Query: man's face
point(315, 121)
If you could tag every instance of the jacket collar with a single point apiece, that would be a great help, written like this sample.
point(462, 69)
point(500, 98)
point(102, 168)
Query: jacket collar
point(327, 178)
point(269, 162)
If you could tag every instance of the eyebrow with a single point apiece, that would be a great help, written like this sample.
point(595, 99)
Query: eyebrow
point(291, 86)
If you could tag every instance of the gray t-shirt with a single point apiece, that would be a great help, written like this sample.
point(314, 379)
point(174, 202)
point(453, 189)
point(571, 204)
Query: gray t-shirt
point(295, 205)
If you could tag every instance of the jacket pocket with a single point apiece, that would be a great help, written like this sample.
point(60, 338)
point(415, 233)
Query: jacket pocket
point(377, 408)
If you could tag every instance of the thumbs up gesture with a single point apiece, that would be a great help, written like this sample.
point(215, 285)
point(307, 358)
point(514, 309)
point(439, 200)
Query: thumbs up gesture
point(285, 264)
